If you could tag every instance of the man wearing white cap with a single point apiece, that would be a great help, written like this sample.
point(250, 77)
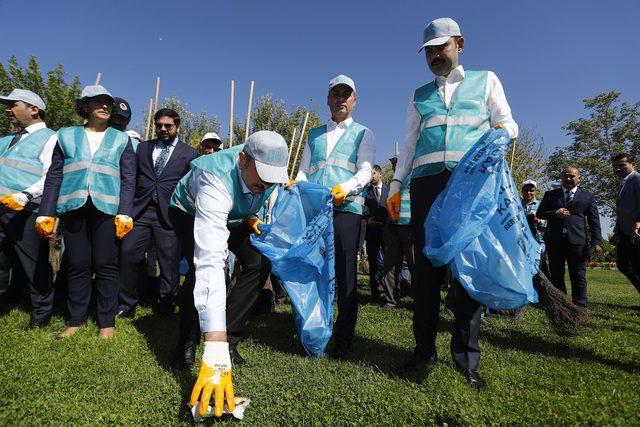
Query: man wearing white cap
point(25, 157)
point(530, 204)
point(339, 155)
point(213, 209)
point(210, 143)
point(444, 119)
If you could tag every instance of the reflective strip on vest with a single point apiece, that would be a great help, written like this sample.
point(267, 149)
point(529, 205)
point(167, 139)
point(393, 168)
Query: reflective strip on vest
point(24, 166)
point(333, 161)
point(441, 120)
point(82, 194)
point(439, 156)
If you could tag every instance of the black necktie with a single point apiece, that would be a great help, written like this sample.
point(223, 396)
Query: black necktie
point(17, 138)
point(377, 191)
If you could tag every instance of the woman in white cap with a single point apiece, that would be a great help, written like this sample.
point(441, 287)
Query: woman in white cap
point(90, 185)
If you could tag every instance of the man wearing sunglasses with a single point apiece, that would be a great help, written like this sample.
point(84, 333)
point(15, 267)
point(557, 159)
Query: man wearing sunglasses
point(161, 164)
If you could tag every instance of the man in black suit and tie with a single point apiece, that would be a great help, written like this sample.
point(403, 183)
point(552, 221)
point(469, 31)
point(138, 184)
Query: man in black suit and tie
point(568, 210)
point(627, 229)
point(161, 164)
point(375, 201)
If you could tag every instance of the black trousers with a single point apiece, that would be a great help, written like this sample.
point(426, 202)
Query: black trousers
point(397, 245)
point(346, 228)
point(374, 241)
point(26, 256)
point(91, 246)
point(628, 260)
point(254, 271)
point(148, 226)
point(576, 258)
point(427, 283)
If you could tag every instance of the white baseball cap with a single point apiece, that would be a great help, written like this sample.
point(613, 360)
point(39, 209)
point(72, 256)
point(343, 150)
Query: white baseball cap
point(342, 80)
point(530, 182)
point(24, 96)
point(95, 90)
point(270, 151)
point(211, 135)
point(439, 31)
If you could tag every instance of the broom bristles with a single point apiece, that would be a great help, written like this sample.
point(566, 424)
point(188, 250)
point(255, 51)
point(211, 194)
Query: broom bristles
point(565, 316)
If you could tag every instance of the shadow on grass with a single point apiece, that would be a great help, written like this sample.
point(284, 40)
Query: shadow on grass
point(161, 333)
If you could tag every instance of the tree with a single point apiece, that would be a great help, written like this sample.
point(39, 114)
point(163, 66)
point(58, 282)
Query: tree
point(270, 114)
point(528, 159)
point(192, 126)
point(58, 95)
point(612, 127)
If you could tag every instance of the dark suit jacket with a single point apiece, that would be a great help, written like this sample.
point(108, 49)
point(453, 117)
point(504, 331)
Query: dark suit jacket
point(377, 210)
point(53, 181)
point(177, 166)
point(628, 206)
point(583, 210)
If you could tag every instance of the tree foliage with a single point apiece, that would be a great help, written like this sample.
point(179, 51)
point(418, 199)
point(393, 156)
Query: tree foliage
point(272, 114)
point(612, 127)
point(58, 95)
point(528, 159)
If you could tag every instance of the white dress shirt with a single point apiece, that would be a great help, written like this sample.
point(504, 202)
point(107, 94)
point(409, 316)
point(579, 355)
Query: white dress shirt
point(45, 158)
point(495, 100)
point(364, 162)
point(158, 148)
point(213, 204)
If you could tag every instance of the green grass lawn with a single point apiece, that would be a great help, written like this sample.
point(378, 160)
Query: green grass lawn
point(535, 376)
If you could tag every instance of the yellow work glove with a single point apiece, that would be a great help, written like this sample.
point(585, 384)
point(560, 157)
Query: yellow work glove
point(254, 224)
point(338, 195)
point(15, 202)
point(45, 226)
point(289, 184)
point(214, 378)
point(393, 200)
point(124, 224)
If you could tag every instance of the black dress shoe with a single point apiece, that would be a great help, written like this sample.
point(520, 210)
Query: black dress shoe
point(418, 361)
point(39, 323)
point(126, 314)
point(236, 359)
point(474, 380)
point(185, 356)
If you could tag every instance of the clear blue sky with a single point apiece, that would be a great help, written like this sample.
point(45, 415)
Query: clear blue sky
point(548, 54)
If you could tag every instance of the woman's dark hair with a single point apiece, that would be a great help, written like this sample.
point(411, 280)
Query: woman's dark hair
point(168, 112)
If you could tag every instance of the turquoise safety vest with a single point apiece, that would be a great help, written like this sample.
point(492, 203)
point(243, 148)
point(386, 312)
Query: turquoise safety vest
point(447, 134)
point(20, 164)
point(84, 175)
point(405, 203)
point(224, 165)
point(340, 166)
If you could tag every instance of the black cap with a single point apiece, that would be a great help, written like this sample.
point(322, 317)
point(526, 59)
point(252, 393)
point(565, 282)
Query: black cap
point(121, 108)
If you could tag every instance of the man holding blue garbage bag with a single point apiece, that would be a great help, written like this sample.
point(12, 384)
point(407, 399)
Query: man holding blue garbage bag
point(444, 119)
point(339, 155)
point(213, 208)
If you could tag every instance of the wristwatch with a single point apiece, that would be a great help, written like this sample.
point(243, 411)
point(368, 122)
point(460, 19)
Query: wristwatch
point(29, 195)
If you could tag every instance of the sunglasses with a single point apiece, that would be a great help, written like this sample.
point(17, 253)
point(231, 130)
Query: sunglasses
point(166, 126)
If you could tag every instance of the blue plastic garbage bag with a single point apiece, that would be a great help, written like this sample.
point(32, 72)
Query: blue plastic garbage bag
point(478, 227)
point(299, 243)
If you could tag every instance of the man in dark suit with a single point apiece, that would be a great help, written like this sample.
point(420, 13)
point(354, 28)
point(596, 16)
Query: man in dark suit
point(375, 201)
point(627, 229)
point(568, 210)
point(161, 164)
